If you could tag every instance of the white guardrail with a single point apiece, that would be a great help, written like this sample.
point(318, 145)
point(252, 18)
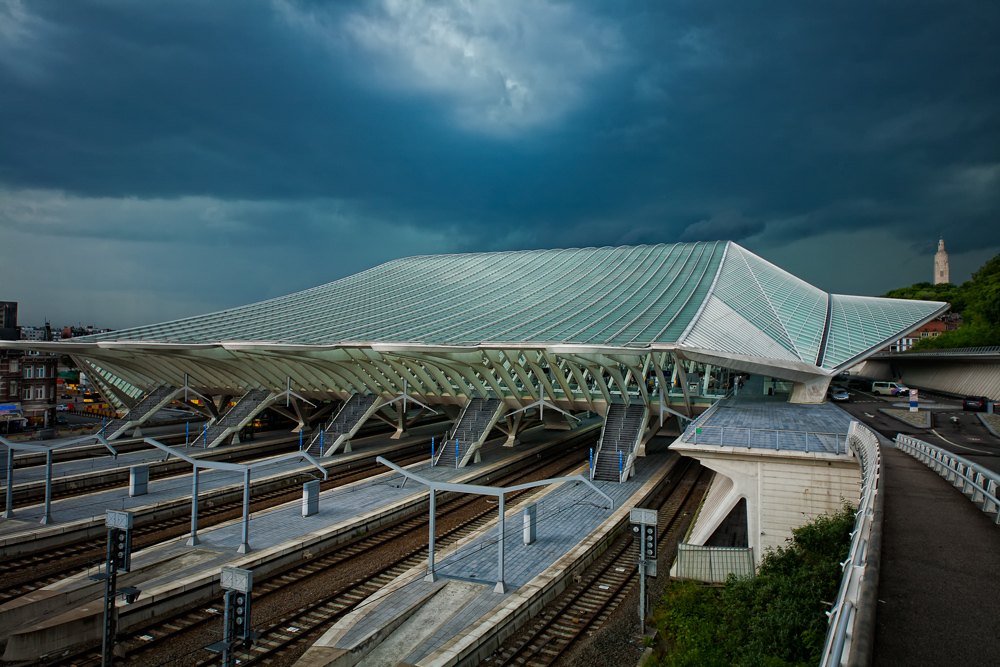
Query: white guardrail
point(850, 631)
point(982, 486)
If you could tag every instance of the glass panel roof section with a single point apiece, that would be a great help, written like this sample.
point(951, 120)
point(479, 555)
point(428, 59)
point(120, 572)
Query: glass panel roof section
point(612, 296)
point(739, 288)
point(860, 323)
point(630, 296)
point(800, 307)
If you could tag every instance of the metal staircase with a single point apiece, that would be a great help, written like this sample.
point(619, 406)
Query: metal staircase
point(474, 423)
point(343, 425)
point(616, 449)
point(150, 403)
point(233, 420)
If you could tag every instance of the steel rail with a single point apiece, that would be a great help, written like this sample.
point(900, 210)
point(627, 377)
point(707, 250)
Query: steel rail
point(189, 620)
point(623, 578)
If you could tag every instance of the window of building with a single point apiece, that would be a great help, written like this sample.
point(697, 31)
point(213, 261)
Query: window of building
point(13, 388)
point(13, 365)
point(39, 392)
point(26, 394)
point(39, 371)
point(27, 371)
point(923, 334)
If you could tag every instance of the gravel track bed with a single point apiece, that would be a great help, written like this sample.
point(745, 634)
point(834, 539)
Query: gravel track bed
point(618, 641)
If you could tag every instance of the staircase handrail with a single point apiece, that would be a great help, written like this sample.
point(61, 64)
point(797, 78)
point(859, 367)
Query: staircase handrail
point(634, 450)
point(332, 420)
point(600, 441)
point(461, 415)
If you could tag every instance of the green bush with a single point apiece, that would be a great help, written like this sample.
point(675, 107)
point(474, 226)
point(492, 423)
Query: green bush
point(773, 619)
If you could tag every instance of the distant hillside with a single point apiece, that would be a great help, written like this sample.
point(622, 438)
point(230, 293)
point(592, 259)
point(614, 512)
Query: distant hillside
point(978, 301)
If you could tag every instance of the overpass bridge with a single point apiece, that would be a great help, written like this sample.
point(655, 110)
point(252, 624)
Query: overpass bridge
point(960, 372)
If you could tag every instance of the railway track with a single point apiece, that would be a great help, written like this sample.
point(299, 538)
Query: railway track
point(22, 575)
point(580, 610)
point(281, 446)
point(287, 629)
point(156, 473)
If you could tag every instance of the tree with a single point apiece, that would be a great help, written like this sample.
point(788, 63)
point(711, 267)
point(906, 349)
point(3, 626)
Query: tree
point(978, 300)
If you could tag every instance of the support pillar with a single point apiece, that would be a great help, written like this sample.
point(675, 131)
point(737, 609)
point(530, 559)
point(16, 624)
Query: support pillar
point(9, 512)
point(813, 391)
point(193, 540)
point(245, 545)
point(514, 427)
point(431, 574)
point(501, 587)
point(400, 423)
point(47, 517)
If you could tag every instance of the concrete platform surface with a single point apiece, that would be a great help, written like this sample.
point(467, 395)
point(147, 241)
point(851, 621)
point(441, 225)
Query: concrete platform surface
point(756, 421)
point(92, 505)
point(126, 460)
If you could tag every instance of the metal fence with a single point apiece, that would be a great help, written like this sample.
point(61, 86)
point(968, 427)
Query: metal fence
point(755, 438)
point(850, 629)
point(982, 486)
point(953, 350)
point(713, 564)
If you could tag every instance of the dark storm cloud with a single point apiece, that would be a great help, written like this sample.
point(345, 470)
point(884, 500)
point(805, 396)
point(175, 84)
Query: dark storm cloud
point(501, 124)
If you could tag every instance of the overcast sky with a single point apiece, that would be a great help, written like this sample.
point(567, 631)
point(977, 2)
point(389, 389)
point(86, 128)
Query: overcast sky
point(164, 159)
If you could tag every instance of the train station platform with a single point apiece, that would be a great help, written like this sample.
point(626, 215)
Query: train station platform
point(460, 617)
point(74, 514)
point(173, 574)
point(939, 581)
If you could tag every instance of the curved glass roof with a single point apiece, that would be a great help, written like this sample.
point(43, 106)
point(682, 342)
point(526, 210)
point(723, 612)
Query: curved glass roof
point(715, 296)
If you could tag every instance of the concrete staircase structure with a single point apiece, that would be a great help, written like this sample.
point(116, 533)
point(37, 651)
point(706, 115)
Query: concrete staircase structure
point(616, 449)
point(344, 424)
point(473, 426)
point(236, 418)
point(143, 410)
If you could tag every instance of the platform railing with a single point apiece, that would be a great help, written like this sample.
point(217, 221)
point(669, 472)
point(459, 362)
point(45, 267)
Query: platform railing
point(944, 352)
point(982, 486)
point(626, 470)
point(850, 627)
point(776, 439)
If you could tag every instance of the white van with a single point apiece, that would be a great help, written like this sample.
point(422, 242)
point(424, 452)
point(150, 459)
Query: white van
point(889, 388)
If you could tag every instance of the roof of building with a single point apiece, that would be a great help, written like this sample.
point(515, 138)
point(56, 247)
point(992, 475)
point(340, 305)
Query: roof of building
point(714, 296)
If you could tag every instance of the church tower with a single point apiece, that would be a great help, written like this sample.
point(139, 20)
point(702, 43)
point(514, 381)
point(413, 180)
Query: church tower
point(941, 274)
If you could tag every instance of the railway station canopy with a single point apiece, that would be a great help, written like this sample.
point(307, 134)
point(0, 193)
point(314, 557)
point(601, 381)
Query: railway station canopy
point(574, 325)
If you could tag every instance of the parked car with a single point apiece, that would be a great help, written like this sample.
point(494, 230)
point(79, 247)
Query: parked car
point(62, 408)
point(975, 403)
point(889, 389)
point(839, 395)
point(61, 420)
point(65, 396)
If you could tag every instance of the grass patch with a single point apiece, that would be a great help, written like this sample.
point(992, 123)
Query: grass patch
point(773, 619)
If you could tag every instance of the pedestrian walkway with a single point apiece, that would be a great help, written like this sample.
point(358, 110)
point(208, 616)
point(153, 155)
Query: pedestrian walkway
point(939, 581)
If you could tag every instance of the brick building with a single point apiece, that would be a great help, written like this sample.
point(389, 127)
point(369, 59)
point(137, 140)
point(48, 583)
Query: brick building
point(27, 380)
point(933, 329)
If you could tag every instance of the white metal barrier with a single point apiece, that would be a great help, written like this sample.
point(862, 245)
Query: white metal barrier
point(777, 439)
point(860, 571)
point(982, 486)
